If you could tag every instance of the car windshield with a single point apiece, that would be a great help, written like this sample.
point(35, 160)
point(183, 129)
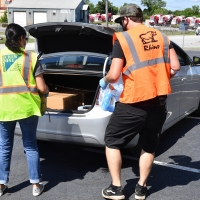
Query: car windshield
point(75, 62)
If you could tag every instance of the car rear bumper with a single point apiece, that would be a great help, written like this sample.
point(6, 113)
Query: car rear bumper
point(85, 129)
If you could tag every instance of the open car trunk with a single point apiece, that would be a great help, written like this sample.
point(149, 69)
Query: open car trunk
point(69, 93)
point(74, 57)
point(53, 37)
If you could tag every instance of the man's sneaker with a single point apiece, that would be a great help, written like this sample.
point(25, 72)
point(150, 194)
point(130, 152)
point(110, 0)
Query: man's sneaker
point(2, 190)
point(111, 193)
point(37, 191)
point(140, 192)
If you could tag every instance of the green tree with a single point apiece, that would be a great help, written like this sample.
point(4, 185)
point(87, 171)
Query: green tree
point(4, 18)
point(195, 10)
point(178, 13)
point(161, 11)
point(92, 8)
point(188, 12)
point(114, 10)
point(101, 6)
point(153, 4)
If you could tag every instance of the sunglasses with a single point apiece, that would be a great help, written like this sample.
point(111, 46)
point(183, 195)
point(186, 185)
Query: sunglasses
point(121, 20)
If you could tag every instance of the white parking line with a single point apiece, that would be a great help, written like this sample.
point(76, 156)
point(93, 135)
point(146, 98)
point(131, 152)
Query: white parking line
point(155, 162)
point(190, 117)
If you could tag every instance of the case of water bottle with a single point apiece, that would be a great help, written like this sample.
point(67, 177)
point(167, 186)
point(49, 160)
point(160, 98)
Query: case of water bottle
point(109, 96)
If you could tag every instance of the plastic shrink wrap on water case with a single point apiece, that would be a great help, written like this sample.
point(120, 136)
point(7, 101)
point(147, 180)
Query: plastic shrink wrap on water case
point(109, 96)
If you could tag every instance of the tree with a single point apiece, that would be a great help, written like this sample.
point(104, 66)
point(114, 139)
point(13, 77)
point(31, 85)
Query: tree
point(101, 6)
point(92, 8)
point(195, 10)
point(161, 11)
point(188, 12)
point(153, 4)
point(4, 18)
point(178, 13)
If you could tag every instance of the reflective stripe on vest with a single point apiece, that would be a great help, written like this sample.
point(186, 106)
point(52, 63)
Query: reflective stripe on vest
point(19, 89)
point(145, 63)
point(27, 69)
point(0, 77)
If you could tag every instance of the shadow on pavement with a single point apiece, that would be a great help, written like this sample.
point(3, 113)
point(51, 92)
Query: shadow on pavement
point(64, 163)
point(162, 177)
point(18, 187)
point(170, 137)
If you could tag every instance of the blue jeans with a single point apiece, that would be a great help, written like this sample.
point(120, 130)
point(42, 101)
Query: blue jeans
point(28, 127)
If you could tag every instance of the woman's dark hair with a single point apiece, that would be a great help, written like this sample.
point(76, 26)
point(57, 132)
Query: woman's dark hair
point(13, 33)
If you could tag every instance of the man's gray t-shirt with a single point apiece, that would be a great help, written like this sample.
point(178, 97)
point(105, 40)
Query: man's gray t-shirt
point(38, 69)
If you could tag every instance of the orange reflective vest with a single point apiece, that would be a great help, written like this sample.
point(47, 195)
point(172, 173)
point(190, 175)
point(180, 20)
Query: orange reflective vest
point(19, 97)
point(147, 71)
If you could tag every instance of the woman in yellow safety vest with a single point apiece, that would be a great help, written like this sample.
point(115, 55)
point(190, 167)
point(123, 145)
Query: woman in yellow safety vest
point(21, 78)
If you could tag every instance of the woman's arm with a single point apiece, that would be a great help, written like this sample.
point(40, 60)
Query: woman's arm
point(41, 85)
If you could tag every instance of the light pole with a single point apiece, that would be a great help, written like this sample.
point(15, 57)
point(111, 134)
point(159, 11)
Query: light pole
point(106, 12)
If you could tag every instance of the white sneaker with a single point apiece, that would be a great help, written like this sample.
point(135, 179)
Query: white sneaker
point(37, 191)
point(2, 190)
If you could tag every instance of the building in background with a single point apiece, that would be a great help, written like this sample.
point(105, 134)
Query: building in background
point(27, 12)
point(3, 6)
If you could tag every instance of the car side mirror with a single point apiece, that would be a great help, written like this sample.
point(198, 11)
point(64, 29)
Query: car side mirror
point(196, 60)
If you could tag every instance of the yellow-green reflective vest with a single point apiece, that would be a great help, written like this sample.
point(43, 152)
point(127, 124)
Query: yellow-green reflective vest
point(19, 97)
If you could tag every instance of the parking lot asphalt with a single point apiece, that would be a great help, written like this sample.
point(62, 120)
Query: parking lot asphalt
point(74, 172)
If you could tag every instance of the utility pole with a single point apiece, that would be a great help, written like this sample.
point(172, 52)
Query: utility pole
point(107, 13)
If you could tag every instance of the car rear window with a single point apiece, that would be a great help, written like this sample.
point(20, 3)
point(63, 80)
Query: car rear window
point(79, 62)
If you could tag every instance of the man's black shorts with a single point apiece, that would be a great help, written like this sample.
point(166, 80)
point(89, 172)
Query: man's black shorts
point(128, 120)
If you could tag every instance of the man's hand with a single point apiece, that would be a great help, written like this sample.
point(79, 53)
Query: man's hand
point(103, 84)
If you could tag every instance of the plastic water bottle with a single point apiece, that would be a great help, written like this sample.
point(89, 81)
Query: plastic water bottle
point(110, 95)
point(106, 101)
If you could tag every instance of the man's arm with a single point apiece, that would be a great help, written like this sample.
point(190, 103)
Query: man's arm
point(174, 62)
point(115, 70)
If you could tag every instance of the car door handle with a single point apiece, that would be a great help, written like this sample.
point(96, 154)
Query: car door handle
point(183, 79)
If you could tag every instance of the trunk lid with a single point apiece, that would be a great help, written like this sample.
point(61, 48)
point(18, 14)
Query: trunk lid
point(68, 36)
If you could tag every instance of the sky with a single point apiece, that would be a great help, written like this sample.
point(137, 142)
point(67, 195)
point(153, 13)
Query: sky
point(170, 4)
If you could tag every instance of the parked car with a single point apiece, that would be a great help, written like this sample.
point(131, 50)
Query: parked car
point(198, 29)
point(75, 56)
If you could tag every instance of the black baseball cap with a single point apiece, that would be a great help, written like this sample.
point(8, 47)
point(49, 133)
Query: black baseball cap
point(131, 10)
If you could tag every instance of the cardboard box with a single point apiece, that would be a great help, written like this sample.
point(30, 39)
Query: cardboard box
point(86, 98)
point(53, 93)
point(61, 101)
